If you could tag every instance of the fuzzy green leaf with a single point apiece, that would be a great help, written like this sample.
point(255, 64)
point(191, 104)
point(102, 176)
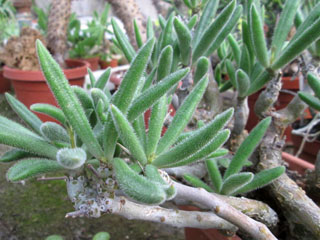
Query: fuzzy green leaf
point(91, 77)
point(245, 63)
point(235, 48)
point(164, 63)
point(200, 138)
point(219, 153)
point(14, 155)
point(101, 83)
point(128, 136)
point(196, 182)
point(16, 126)
point(310, 100)
point(204, 152)
point(49, 110)
point(225, 31)
point(31, 167)
point(247, 147)
point(243, 83)
point(53, 132)
point(298, 45)
point(97, 94)
point(201, 69)
point(236, 181)
point(207, 15)
point(123, 41)
point(153, 94)
point(192, 22)
point(101, 236)
point(71, 158)
point(214, 174)
point(158, 113)
point(136, 186)
point(257, 36)
point(67, 100)
point(166, 38)
point(184, 38)
point(212, 31)
point(24, 113)
point(29, 143)
point(83, 97)
point(183, 116)
point(284, 25)
point(137, 34)
point(261, 179)
point(314, 83)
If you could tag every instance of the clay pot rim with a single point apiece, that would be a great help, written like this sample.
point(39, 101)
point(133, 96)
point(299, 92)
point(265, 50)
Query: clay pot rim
point(15, 74)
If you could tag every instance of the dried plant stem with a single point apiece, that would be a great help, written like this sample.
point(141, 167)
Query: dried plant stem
point(255, 229)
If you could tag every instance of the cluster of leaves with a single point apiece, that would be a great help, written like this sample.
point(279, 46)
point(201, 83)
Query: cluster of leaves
point(86, 43)
point(233, 181)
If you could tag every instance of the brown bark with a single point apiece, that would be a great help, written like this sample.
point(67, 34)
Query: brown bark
point(58, 20)
point(127, 10)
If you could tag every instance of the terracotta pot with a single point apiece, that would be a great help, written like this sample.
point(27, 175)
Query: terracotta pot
point(93, 62)
point(31, 87)
point(204, 234)
point(297, 164)
point(22, 6)
point(105, 64)
point(283, 100)
point(4, 83)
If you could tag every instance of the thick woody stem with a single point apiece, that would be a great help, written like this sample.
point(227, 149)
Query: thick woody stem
point(255, 229)
point(240, 117)
point(127, 11)
point(252, 208)
point(177, 218)
point(268, 97)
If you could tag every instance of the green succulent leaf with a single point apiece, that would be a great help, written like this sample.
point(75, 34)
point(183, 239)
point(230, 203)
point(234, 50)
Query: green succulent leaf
point(29, 143)
point(14, 155)
point(235, 48)
point(158, 113)
point(67, 100)
point(207, 15)
point(49, 110)
point(101, 83)
point(247, 147)
point(236, 181)
point(201, 69)
point(31, 167)
point(284, 25)
point(204, 152)
point(245, 63)
point(310, 100)
point(150, 31)
point(314, 83)
point(123, 41)
point(200, 138)
point(140, 129)
point(153, 94)
point(257, 36)
point(261, 179)
point(196, 182)
point(246, 37)
point(192, 22)
point(54, 132)
point(243, 83)
point(166, 35)
point(136, 186)
point(213, 31)
point(71, 158)
point(8, 123)
point(184, 38)
point(260, 81)
point(97, 94)
point(225, 31)
point(182, 116)
point(137, 34)
point(297, 45)
point(24, 113)
point(164, 64)
point(83, 97)
point(218, 153)
point(214, 174)
point(91, 77)
point(128, 136)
